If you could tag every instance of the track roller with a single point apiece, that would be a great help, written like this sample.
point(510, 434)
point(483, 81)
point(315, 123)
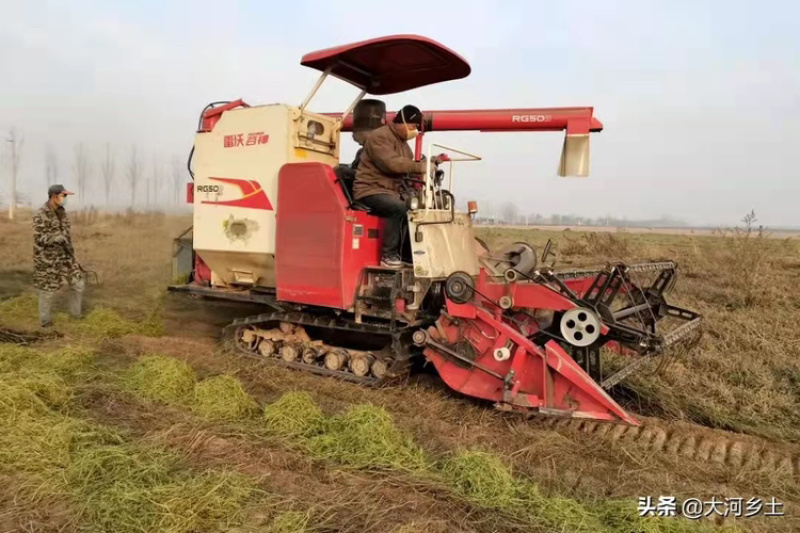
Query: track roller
point(290, 352)
point(336, 359)
point(360, 363)
point(310, 355)
point(341, 348)
point(267, 348)
point(379, 369)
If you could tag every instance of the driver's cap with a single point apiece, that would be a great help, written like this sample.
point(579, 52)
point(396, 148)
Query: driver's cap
point(410, 115)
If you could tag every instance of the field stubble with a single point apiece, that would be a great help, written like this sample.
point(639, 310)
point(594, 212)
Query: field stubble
point(719, 421)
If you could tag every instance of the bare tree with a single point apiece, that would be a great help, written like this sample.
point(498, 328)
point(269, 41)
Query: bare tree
point(17, 141)
point(51, 165)
point(81, 170)
point(509, 212)
point(177, 178)
point(108, 170)
point(155, 182)
point(133, 173)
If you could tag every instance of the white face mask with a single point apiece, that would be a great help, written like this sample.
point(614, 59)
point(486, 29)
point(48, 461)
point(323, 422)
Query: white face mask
point(410, 133)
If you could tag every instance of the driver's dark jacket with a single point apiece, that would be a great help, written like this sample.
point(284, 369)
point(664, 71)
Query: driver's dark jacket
point(385, 159)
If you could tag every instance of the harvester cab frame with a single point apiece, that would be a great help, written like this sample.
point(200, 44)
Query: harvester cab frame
point(275, 225)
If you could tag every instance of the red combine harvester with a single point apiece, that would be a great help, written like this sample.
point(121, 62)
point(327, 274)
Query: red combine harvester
point(275, 223)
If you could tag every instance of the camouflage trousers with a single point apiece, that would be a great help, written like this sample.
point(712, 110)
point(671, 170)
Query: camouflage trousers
point(76, 286)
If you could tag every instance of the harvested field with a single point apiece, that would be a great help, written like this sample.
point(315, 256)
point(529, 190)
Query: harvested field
point(137, 404)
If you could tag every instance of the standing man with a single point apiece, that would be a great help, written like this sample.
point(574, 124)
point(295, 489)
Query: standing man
point(386, 158)
point(54, 257)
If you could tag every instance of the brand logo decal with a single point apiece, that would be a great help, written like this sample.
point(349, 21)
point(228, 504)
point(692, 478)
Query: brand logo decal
point(531, 118)
point(253, 196)
point(238, 139)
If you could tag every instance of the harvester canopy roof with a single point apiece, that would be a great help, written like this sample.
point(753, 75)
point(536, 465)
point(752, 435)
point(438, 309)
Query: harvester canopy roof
point(391, 64)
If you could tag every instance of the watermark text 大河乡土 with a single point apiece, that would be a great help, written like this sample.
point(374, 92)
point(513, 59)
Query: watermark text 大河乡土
point(695, 508)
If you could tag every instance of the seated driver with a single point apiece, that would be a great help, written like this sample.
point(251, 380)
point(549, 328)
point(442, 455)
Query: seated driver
point(385, 159)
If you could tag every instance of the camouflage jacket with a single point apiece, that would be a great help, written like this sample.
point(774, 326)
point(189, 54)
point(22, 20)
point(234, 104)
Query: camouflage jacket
point(53, 262)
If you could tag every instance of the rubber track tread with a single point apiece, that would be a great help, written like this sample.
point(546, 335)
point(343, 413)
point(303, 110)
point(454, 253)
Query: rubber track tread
point(307, 319)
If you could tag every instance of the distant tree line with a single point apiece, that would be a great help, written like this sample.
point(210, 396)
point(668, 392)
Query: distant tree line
point(96, 173)
point(509, 214)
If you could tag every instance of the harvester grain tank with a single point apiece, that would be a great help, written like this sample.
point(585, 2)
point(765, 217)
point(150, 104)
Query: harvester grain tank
point(275, 224)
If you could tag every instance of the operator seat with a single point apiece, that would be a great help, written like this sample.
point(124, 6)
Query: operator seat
point(346, 177)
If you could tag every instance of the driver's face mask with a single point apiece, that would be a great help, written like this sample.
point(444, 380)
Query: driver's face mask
point(411, 131)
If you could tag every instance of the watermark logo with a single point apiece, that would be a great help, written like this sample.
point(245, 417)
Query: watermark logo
point(694, 508)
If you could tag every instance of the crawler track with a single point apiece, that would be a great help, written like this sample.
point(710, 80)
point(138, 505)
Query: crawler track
point(368, 354)
point(700, 444)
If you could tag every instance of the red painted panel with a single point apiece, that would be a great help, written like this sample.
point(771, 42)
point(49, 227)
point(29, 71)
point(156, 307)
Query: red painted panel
point(362, 250)
point(317, 260)
point(253, 196)
point(202, 274)
point(543, 376)
point(390, 64)
point(573, 119)
point(211, 116)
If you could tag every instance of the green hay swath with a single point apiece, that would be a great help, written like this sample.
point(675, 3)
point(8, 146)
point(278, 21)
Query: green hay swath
point(111, 485)
point(101, 322)
point(161, 379)
point(106, 323)
point(69, 362)
point(126, 489)
point(480, 477)
point(484, 479)
point(21, 311)
point(294, 415)
point(223, 398)
point(14, 356)
point(364, 436)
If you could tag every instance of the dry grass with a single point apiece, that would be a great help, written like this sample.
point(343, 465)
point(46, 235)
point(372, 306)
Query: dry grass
point(744, 375)
point(290, 522)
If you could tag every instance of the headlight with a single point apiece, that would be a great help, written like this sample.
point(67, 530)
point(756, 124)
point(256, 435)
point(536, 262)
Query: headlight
point(413, 203)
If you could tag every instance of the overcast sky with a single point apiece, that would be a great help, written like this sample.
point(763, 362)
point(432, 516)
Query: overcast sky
point(700, 99)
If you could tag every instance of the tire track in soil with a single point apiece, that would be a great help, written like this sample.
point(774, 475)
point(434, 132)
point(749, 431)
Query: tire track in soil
point(698, 444)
